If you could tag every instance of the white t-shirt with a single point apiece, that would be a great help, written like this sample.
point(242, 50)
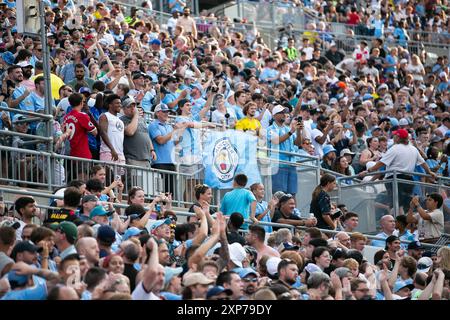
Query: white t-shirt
point(316, 133)
point(140, 294)
point(433, 228)
point(402, 157)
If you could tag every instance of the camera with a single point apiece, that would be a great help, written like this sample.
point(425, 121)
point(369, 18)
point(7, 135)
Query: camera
point(214, 89)
point(299, 119)
point(336, 214)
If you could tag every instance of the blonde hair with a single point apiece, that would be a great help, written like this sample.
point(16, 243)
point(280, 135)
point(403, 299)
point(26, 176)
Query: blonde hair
point(351, 263)
point(357, 236)
point(444, 253)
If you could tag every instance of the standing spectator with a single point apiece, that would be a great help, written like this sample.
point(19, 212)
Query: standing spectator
point(240, 200)
point(430, 222)
point(113, 127)
point(256, 238)
point(264, 211)
point(402, 156)
point(162, 135)
point(282, 138)
point(188, 23)
point(137, 145)
point(321, 203)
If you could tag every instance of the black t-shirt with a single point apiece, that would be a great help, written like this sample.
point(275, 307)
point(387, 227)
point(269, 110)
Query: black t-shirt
point(233, 236)
point(62, 215)
point(319, 206)
point(211, 210)
point(278, 215)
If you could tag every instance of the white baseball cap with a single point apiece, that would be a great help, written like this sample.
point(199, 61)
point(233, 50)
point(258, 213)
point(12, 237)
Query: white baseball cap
point(277, 109)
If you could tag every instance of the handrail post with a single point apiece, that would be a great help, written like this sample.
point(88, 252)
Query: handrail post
point(395, 198)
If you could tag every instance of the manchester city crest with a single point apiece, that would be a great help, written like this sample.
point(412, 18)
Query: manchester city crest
point(225, 160)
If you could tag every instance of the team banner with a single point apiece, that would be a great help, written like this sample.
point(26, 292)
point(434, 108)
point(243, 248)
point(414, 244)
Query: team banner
point(228, 153)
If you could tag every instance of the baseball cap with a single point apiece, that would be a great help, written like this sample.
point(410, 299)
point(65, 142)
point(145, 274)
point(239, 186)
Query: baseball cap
point(367, 96)
point(127, 101)
point(8, 57)
point(403, 61)
point(10, 223)
point(243, 272)
point(327, 149)
point(24, 64)
point(383, 86)
point(432, 105)
point(376, 128)
point(159, 223)
point(106, 234)
point(23, 246)
point(311, 268)
point(155, 41)
point(18, 117)
point(401, 133)
point(333, 101)
point(341, 85)
point(162, 107)
point(214, 291)
point(415, 245)
point(196, 278)
point(400, 284)
point(197, 86)
point(391, 239)
point(137, 75)
point(278, 109)
point(89, 197)
point(272, 265)
point(403, 122)
point(346, 151)
point(69, 229)
point(131, 232)
point(237, 253)
point(442, 74)
point(98, 211)
point(84, 90)
point(424, 264)
point(170, 273)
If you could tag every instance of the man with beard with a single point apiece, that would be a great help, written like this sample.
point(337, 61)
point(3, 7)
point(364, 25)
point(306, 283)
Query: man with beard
point(27, 71)
point(81, 80)
point(287, 272)
point(249, 122)
point(249, 279)
point(188, 23)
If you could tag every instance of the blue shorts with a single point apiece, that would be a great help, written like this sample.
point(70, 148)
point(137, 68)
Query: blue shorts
point(285, 180)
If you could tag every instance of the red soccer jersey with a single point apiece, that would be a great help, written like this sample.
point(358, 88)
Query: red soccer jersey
point(80, 125)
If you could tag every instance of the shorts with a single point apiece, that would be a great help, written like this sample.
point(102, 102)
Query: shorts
point(106, 156)
point(285, 180)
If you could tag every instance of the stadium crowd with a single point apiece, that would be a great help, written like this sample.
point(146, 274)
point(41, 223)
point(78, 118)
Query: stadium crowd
point(128, 90)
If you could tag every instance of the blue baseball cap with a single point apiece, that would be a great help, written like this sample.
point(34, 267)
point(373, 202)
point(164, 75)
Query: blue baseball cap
point(84, 90)
point(131, 232)
point(98, 211)
point(170, 273)
point(367, 96)
point(214, 291)
point(327, 149)
point(159, 223)
point(394, 122)
point(8, 57)
point(244, 272)
point(156, 41)
point(197, 86)
point(400, 284)
point(16, 280)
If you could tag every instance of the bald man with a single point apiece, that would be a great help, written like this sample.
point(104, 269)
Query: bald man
point(387, 224)
point(88, 247)
point(343, 239)
point(62, 293)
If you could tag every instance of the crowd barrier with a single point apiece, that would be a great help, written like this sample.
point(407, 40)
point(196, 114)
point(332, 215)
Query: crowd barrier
point(23, 192)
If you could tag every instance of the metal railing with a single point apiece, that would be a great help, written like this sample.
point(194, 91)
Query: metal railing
point(181, 213)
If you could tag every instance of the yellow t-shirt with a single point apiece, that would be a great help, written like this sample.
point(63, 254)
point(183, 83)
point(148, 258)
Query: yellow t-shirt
point(56, 83)
point(248, 124)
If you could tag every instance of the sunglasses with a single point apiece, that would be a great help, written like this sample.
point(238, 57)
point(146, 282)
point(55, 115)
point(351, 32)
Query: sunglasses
point(250, 280)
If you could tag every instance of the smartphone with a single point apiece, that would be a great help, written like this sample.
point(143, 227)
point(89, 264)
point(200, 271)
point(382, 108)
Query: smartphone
point(347, 126)
point(336, 215)
point(299, 119)
point(117, 178)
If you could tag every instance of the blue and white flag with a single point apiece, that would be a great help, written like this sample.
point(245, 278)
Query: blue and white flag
point(228, 153)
